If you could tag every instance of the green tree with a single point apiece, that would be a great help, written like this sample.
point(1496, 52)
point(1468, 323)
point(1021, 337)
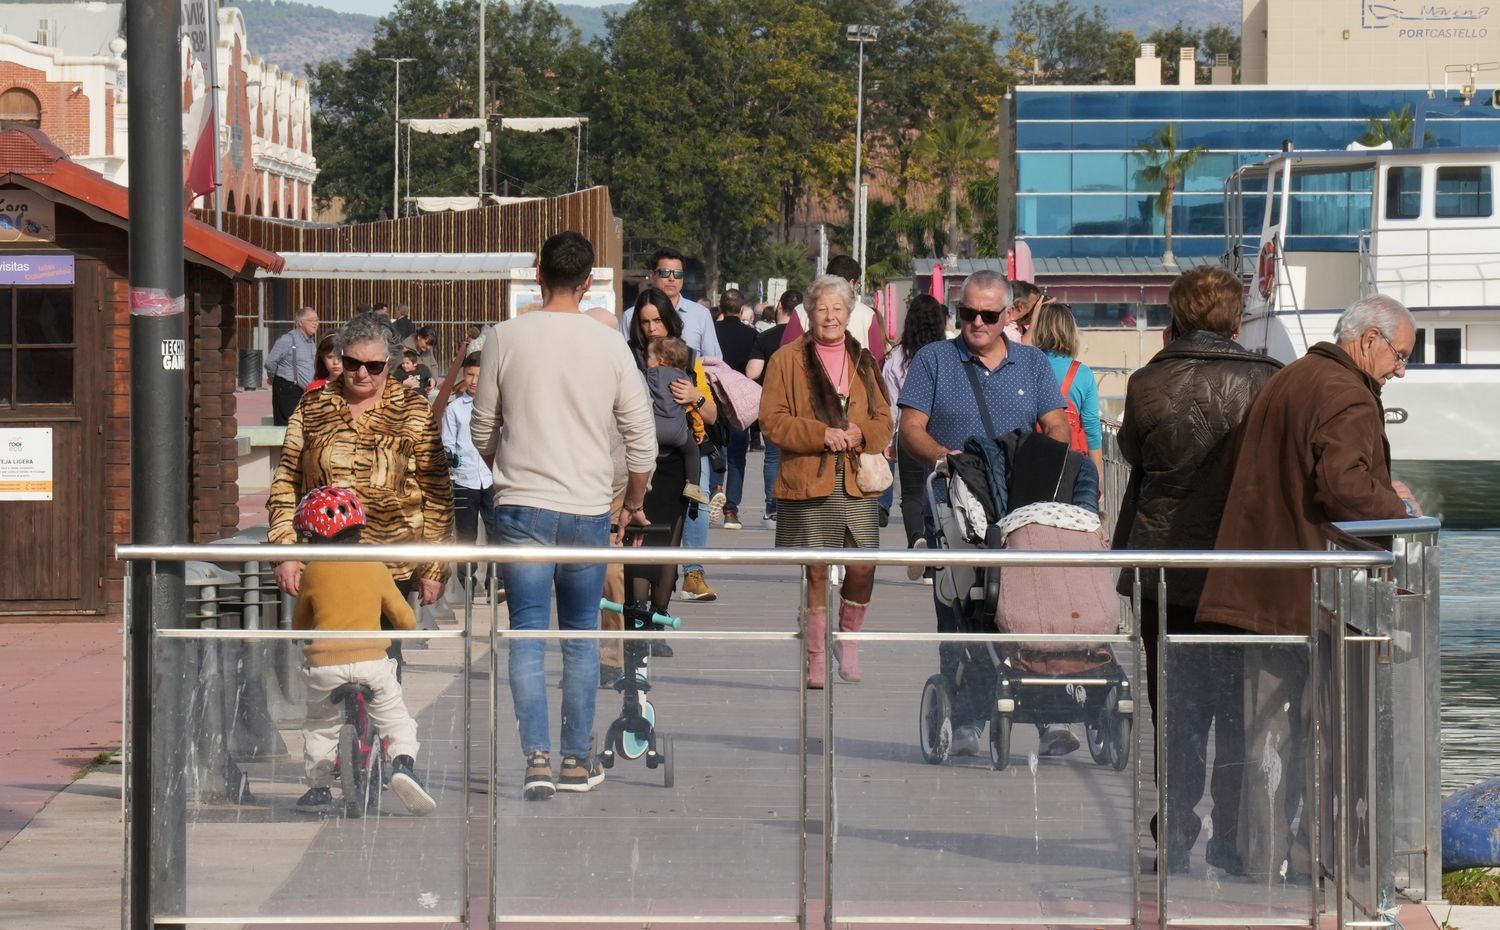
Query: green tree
point(709, 107)
point(1168, 42)
point(537, 68)
point(1119, 61)
point(953, 152)
point(1223, 40)
point(1163, 166)
point(1070, 44)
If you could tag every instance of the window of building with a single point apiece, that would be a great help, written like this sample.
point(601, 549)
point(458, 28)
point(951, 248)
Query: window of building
point(19, 107)
point(1463, 192)
point(1448, 346)
point(37, 346)
point(1403, 193)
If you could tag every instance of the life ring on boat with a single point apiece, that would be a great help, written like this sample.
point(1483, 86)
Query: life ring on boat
point(1265, 275)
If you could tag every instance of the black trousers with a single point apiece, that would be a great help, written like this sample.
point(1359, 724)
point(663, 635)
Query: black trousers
point(1207, 690)
point(285, 395)
point(912, 474)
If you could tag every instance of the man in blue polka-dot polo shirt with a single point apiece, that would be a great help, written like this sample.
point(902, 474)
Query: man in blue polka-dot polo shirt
point(940, 412)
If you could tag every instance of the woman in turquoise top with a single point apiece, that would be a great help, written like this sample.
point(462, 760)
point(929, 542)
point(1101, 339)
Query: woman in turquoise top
point(1055, 332)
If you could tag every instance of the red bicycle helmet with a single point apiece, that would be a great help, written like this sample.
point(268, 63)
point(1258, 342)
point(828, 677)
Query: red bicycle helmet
point(328, 512)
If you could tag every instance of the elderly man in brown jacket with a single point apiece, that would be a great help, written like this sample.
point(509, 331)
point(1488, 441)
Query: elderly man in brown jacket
point(1312, 452)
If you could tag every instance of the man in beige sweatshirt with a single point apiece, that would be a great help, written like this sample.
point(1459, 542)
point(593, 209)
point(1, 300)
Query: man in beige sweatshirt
point(555, 390)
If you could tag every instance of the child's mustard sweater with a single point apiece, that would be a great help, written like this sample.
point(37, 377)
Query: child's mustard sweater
point(348, 596)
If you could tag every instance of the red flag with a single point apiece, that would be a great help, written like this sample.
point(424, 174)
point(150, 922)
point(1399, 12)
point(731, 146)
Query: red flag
point(203, 173)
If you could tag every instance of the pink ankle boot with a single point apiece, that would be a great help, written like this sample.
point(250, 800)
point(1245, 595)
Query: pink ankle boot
point(817, 634)
point(851, 620)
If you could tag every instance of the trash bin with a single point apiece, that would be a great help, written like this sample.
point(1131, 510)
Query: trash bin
point(252, 369)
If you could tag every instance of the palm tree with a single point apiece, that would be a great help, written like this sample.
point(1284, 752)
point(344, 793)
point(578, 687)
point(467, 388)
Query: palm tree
point(1398, 128)
point(1165, 166)
point(953, 151)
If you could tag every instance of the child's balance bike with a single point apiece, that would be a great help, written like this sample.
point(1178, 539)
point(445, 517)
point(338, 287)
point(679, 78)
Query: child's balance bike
point(633, 733)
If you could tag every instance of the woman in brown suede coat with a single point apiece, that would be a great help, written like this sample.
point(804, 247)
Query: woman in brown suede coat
point(823, 404)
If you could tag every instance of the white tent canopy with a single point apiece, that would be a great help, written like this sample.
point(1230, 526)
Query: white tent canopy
point(440, 204)
point(543, 124)
point(402, 266)
point(443, 127)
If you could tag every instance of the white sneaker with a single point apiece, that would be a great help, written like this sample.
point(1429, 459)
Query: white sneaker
point(716, 509)
point(965, 741)
point(915, 572)
point(835, 575)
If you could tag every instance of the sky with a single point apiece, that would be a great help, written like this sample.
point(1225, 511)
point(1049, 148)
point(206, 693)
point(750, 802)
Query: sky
point(382, 7)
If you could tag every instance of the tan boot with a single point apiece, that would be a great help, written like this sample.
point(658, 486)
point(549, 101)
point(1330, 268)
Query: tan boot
point(851, 620)
point(817, 634)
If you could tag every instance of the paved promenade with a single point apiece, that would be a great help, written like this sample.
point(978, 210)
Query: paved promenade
point(1045, 838)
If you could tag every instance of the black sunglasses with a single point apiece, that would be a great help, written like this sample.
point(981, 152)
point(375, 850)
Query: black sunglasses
point(970, 314)
point(677, 273)
point(353, 365)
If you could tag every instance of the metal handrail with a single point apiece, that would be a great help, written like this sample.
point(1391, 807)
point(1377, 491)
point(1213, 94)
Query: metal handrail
point(1402, 526)
point(424, 553)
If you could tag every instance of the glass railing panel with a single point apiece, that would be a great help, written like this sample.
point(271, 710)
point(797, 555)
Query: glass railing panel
point(233, 743)
point(985, 789)
point(713, 831)
point(1241, 801)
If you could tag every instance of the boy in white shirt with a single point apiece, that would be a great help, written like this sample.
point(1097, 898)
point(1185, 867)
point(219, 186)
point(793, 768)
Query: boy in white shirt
point(473, 482)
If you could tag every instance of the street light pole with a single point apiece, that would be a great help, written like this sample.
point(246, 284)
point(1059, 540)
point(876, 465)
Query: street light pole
point(859, 34)
point(484, 129)
point(396, 142)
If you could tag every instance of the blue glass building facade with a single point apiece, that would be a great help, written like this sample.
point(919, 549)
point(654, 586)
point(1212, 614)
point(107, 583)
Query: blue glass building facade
point(1080, 194)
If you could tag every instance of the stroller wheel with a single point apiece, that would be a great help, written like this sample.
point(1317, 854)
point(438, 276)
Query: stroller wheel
point(935, 720)
point(1109, 735)
point(999, 740)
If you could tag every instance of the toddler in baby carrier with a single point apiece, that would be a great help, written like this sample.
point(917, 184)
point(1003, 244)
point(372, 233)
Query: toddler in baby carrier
point(1036, 493)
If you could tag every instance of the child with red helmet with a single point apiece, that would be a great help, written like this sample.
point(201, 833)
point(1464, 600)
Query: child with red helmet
point(350, 596)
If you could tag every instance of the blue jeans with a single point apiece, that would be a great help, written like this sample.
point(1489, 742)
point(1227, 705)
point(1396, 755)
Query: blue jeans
point(768, 473)
point(695, 529)
point(529, 591)
point(734, 455)
point(888, 496)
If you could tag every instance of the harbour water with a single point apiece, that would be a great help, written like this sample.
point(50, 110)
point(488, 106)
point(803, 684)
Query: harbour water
point(1471, 657)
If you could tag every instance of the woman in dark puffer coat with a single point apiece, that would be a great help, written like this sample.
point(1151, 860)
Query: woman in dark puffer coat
point(1182, 413)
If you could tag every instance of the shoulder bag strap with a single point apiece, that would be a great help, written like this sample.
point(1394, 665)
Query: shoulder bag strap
point(984, 409)
point(1067, 384)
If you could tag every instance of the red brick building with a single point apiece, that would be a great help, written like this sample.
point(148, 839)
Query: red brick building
point(63, 70)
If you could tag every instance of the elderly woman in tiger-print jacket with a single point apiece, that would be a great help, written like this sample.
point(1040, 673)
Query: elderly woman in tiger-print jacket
point(368, 433)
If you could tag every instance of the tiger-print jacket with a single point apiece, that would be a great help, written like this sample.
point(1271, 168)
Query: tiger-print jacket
point(392, 457)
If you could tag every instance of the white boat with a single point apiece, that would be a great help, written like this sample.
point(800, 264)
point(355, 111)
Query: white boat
point(1429, 237)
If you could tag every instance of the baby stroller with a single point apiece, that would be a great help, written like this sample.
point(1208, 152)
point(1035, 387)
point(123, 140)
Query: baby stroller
point(1026, 491)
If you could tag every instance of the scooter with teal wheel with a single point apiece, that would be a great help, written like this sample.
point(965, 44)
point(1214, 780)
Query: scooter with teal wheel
point(633, 733)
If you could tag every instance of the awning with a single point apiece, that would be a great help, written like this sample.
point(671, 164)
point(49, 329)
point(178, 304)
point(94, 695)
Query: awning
point(542, 124)
point(29, 159)
point(444, 127)
point(401, 266)
point(439, 204)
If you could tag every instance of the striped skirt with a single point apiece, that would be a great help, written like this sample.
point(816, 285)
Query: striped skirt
point(821, 523)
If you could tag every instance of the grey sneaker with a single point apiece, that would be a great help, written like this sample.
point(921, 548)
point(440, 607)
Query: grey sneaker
point(1058, 741)
point(539, 785)
point(965, 741)
point(579, 773)
point(409, 788)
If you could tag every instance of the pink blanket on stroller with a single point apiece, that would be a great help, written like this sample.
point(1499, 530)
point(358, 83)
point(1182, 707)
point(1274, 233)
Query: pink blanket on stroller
point(1058, 600)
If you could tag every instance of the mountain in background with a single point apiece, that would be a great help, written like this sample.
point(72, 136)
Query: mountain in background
point(294, 35)
point(1140, 15)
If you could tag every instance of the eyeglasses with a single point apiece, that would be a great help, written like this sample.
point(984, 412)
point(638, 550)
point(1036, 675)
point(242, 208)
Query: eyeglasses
point(990, 317)
point(677, 273)
point(1401, 357)
point(352, 366)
